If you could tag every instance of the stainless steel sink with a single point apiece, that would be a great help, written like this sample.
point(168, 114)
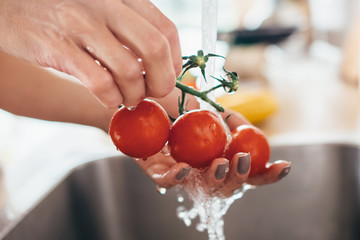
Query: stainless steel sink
point(112, 199)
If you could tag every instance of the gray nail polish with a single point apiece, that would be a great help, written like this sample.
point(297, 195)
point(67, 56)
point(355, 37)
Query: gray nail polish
point(244, 163)
point(221, 170)
point(284, 172)
point(183, 173)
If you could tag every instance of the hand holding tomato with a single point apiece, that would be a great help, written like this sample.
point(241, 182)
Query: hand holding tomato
point(140, 132)
point(197, 138)
point(222, 173)
point(222, 177)
point(249, 139)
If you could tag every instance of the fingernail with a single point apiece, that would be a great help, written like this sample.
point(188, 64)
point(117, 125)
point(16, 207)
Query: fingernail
point(183, 173)
point(284, 172)
point(244, 163)
point(221, 170)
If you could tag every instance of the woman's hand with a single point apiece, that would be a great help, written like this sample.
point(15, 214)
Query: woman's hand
point(69, 35)
point(164, 170)
point(222, 177)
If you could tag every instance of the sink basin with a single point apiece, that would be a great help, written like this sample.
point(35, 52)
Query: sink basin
point(111, 198)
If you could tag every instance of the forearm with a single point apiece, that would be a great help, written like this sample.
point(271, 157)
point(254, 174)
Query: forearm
point(31, 91)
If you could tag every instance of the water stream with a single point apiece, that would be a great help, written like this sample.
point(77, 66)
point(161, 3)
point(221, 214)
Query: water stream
point(209, 209)
point(208, 42)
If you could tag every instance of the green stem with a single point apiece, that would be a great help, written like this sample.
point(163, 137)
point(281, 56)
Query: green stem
point(182, 102)
point(213, 88)
point(202, 95)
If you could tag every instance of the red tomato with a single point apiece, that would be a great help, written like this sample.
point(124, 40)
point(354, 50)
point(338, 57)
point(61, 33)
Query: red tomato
point(249, 139)
point(197, 138)
point(141, 132)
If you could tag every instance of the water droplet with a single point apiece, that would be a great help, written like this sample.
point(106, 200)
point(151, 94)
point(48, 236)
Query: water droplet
point(61, 36)
point(166, 150)
point(98, 62)
point(180, 198)
point(167, 154)
point(200, 227)
point(131, 108)
point(90, 49)
point(161, 190)
point(213, 127)
point(139, 60)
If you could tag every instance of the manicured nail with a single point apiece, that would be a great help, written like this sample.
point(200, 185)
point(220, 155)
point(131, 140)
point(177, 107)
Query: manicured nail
point(284, 172)
point(244, 163)
point(221, 170)
point(183, 173)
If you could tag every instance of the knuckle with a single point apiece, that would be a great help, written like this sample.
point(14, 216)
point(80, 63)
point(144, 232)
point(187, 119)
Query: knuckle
point(169, 30)
point(131, 73)
point(103, 89)
point(69, 13)
point(158, 47)
point(101, 84)
point(57, 58)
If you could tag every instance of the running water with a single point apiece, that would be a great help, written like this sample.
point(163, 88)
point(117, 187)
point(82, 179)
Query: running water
point(210, 209)
point(209, 37)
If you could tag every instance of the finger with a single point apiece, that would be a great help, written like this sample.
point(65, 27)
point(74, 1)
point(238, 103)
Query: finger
point(123, 65)
point(238, 174)
point(100, 82)
point(173, 176)
point(234, 119)
point(152, 14)
point(215, 175)
point(273, 173)
point(149, 44)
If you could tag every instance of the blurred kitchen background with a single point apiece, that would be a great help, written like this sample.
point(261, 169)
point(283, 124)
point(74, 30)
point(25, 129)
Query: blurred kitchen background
point(298, 61)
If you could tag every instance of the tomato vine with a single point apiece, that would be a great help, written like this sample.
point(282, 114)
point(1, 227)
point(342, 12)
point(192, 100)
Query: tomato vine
point(229, 83)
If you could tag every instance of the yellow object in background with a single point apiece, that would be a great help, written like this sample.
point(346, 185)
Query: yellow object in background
point(255, 104)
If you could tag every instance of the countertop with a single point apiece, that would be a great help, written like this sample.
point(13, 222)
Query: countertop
point(314, 103)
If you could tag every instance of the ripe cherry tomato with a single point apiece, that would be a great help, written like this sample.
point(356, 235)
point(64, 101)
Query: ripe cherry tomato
point(249, 139)
point(141, 132)
point(197, 138)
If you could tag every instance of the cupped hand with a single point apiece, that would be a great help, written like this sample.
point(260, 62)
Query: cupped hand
point(99, 42)
point(222, 178)
point(164, 170)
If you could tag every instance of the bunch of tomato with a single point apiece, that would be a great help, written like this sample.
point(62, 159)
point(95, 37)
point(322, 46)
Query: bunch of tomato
point(196, 137)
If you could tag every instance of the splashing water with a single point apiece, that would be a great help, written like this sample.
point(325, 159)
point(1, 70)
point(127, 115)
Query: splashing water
point(210, 209)
point(161, 190)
